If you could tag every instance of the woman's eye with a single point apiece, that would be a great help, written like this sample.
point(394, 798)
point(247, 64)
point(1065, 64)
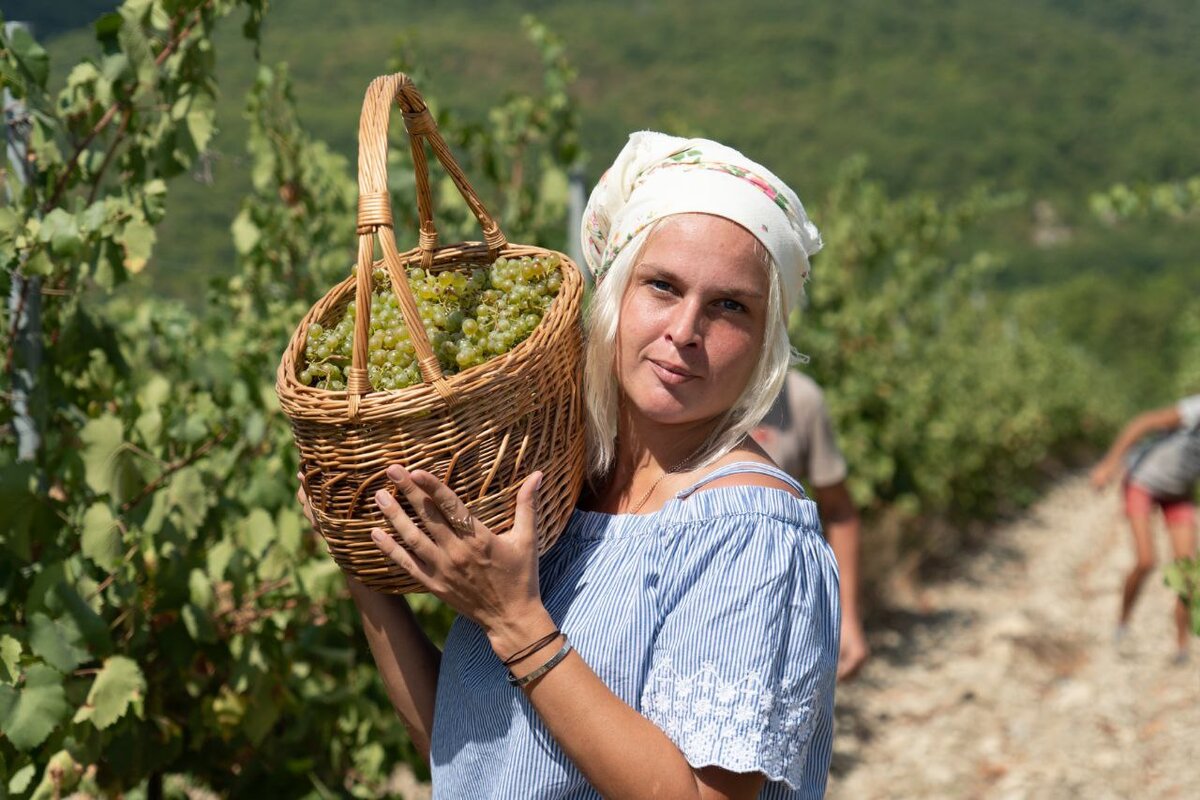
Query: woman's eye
point(661, 286)
point(732, 305)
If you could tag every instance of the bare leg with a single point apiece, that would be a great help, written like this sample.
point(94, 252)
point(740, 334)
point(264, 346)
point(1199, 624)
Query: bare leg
point(1143, 547)
point(1183, 544)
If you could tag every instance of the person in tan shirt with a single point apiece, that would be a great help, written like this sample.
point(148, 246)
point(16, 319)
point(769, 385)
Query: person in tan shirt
point(798, 435)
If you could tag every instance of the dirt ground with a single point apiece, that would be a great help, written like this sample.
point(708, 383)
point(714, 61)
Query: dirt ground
point(1004, 681)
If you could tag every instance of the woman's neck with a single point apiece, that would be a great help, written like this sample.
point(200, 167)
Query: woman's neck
point(651, 462)
point(645, 455)
point(654, 448)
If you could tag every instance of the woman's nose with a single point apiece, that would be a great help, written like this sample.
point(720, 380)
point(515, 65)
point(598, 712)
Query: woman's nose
point(685, 324)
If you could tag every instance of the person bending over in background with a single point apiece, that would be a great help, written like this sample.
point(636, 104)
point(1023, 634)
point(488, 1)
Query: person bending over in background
point(1162, 473)
point(798, 436)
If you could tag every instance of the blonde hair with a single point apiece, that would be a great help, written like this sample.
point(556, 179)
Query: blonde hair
point(600, 380)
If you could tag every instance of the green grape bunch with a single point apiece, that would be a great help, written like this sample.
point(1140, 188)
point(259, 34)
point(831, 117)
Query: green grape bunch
point(470, 315)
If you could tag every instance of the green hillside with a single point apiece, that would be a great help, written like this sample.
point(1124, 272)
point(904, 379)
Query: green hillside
point(1054, 99)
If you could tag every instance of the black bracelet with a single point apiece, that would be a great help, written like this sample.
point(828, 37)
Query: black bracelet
point(554, 661)
point(528, 650)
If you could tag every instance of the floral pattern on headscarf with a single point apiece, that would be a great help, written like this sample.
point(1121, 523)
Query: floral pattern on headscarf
point(656, 175)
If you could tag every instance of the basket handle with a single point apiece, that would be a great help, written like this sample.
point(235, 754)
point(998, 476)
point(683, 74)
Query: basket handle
point(375, 221)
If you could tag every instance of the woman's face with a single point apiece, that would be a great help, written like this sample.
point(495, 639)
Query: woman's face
point(692, 320)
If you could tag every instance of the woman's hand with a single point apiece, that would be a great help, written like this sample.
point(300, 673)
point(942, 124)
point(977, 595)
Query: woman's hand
point(492, 580)
point(305, 506)
point(1103, 473)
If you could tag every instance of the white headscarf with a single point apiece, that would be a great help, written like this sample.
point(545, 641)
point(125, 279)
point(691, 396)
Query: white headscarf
point(657, 175)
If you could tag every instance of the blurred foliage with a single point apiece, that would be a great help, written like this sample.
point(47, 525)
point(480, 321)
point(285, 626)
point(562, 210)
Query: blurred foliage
point(167, 622)
point(947, 402)
point(1183, 577)
point(1054, 98)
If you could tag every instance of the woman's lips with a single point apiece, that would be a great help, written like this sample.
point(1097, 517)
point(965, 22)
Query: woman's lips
point(668, 373)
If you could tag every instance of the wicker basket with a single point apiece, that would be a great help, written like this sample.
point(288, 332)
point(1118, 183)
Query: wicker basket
point(483, 430)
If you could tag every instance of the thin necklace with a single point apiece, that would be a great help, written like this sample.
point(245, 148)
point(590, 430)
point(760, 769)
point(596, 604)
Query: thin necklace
point(654, 485)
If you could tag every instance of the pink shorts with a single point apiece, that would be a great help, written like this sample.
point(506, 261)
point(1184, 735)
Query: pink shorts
point(1140, 502)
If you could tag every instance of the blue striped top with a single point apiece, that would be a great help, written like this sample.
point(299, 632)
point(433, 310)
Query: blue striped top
point(716, 617)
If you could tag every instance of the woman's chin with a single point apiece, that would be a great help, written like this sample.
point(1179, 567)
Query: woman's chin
point(669, 411)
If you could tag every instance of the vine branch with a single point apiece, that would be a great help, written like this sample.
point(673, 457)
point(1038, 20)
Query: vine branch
point(156, 484)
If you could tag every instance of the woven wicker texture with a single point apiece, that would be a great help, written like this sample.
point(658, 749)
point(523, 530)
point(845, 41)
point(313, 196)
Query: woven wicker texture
point(483, 430)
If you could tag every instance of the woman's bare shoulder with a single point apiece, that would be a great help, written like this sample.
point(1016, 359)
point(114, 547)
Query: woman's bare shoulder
point(752, 453)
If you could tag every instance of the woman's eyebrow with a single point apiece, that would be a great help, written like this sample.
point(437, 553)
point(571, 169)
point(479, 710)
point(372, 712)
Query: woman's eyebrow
point(652, 269)
point(649, 269)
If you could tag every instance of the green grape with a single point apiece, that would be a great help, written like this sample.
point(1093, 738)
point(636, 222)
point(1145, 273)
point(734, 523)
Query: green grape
point(469, 315)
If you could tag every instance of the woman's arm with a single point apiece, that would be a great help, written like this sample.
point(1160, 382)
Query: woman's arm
point(407, 661)
point(493, 580)
point(1161, 419)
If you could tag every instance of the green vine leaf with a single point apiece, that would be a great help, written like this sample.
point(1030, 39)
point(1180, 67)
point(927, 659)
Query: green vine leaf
point(137, 238)
point(10, 659)
point(119, 686)
point(32, 57)
point(102, 438)
point(200, 116)
point(58, 642)
point(245, 232)
point(28, 715)
point(21, 779)
point(189, 495)
point(101, 540)
point(61, 230)
point(257, 532)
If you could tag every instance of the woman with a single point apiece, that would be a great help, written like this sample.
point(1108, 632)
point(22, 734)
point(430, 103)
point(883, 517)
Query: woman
point(680, 639)
point(1162, 474)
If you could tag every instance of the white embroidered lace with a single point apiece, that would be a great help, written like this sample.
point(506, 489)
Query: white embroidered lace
point(743, 724)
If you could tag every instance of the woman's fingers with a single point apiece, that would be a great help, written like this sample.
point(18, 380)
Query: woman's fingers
point(413, 537)
point(404, 559)
point(453, 511)
point(434, 519)
point(524, 522)
point(305, 506)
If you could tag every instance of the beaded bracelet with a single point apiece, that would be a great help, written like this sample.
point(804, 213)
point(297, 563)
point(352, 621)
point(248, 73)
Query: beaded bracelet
point(528, 650)
point(554, 661)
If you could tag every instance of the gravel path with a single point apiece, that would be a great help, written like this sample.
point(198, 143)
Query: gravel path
point(1003, 680)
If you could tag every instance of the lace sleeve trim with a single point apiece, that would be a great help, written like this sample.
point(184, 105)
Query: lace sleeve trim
point(743, 725)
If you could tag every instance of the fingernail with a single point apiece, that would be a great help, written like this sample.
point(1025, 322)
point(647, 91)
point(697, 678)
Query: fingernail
point(378, 536)
point(383, 498)
point(537, 482)
point(395, 472)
